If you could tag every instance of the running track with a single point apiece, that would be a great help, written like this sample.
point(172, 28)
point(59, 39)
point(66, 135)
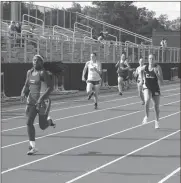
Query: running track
point(107, 145)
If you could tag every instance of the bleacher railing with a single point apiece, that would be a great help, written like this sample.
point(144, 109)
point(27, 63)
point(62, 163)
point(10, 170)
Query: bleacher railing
point(39, 23)
point(81, 26)
point(48, 45)
point(114, 27)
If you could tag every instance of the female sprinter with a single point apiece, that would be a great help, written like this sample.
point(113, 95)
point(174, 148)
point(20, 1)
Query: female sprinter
point(152, 74)
point(37, 96)
point(139, 80)
point(122, 71)
point(94, 78)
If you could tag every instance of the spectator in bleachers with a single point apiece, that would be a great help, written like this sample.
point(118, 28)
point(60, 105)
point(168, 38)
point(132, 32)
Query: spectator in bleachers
point(163, 43)
point(163, 46)
point(12, 33)
point(18, 30)
point(101, 37)
point(12, 29)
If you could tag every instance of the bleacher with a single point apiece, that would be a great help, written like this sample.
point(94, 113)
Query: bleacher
point(60, 44)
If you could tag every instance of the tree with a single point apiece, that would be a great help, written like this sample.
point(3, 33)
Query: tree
point(175, 24)
point(163, 20)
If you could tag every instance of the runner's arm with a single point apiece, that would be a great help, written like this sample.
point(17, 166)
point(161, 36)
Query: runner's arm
point(84, 71)
point(159, 74)
point(117, 63)
point(46, 78)
point(25, 89)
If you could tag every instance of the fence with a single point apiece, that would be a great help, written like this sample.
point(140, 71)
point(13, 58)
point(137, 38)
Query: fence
point(53, 48)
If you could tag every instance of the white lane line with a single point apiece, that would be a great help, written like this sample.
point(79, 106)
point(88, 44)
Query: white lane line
point(81, 145)
point(82, 126)
point(120, 158)
point(85, 105)
point(170, 175)
point(76, 115)
point(82, 99)
point(78, 106)
point(68, 101)
point(10, 129)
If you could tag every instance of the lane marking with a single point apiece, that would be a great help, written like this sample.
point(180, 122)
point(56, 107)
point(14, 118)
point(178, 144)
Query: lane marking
point(69, 101)
point(81, 145)
point(120, 158)
point(81, 114)
point(78, 106)
point(86, 105)
point(170, 175)
point(82, 126)
point(83, 98)
point(76, 115)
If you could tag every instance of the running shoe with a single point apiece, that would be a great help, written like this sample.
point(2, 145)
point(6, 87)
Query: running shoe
point(120, 93)
point(32, 151)
point(156, 125)
point(95, 105)
point(145, 120)
point(51, 123)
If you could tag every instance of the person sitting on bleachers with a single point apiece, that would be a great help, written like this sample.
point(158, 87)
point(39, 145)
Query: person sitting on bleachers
point(18, 30)
point(101, 37)
point(12, 29)
point(163, 43)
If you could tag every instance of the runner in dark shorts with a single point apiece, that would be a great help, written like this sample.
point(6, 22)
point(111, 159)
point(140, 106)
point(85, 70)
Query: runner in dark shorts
point(122, 70)
point(37, 89)
point(152, 74)
point(94, 77)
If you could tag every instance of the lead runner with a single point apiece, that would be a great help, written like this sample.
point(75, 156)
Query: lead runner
point(38, 101)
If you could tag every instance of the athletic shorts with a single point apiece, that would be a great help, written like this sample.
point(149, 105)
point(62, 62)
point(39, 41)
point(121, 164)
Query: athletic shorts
point(154, 92)
point(125, 78)
point(94, 82)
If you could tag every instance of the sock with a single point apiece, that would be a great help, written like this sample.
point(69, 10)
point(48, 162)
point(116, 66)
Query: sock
point(48, 117)
point(32, 144)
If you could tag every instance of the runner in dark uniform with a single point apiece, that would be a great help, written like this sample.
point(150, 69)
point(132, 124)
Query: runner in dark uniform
point(37, 89)
point(152, 74)
point(122, 71)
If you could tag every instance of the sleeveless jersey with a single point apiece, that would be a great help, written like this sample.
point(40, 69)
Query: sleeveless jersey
point(92, 74)
point(150, 80)
point(122, 73)
point(37, 87)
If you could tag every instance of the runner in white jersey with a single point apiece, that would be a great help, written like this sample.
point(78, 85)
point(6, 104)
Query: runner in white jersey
point(94, 78)
point(139, 80)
